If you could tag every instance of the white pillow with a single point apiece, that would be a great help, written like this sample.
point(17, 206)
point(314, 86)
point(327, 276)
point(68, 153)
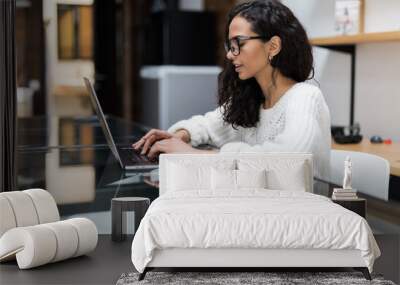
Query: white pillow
point(182, 177)
point(193, 174)
point(292, 179)
point(282, 173)
point(225, 179)
point(251, 179)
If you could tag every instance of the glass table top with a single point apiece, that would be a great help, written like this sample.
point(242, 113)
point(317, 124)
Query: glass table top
point(69, 158)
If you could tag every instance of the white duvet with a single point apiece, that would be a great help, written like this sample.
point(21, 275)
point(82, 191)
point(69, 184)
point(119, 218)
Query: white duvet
point(250, 219)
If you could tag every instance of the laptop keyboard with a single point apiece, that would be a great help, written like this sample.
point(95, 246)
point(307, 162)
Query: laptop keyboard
point(135, 156)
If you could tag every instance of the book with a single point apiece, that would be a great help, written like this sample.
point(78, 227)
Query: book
point(344, 198)
point(345, 194)
point(341, 190)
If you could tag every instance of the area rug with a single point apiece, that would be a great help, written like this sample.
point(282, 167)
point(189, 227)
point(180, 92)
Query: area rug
point(243, 278)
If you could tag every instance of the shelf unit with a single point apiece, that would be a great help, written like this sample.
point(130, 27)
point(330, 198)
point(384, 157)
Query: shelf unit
point(357, 39)
point(347, 44)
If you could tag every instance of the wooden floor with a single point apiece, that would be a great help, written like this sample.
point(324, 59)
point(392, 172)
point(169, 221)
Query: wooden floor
point(110, 259)
point(388, 211)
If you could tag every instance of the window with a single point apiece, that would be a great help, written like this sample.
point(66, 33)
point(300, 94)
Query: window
point(75, 31)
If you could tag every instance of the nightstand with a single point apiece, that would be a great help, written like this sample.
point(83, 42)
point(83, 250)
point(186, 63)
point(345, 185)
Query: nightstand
point(119, 207)
point(358, 205)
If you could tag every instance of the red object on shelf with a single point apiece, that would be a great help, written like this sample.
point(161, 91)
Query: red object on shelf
point(388, 141)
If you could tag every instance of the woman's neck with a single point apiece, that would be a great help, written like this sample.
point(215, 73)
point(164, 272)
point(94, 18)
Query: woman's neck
point(273, 92)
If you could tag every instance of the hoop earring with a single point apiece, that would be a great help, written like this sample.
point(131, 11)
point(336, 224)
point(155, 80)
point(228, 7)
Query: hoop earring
point(270, 58)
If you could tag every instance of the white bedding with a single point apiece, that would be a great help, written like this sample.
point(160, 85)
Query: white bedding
point(250, 219)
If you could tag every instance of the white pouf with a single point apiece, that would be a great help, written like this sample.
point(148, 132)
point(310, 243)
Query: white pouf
point(31, 232)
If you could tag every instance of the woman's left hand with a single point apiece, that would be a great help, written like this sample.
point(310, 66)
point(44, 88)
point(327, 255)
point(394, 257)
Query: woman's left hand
point(171, 145)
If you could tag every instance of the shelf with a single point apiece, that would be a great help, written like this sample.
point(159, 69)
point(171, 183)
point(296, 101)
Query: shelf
point(66, 90)
point(357, 39)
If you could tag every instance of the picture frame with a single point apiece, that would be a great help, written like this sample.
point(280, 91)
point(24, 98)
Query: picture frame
point(349, 17)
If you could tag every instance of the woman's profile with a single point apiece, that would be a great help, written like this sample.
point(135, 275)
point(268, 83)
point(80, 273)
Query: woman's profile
point(264, 104)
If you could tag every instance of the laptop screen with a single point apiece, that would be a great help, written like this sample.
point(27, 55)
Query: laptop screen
point(102, 119)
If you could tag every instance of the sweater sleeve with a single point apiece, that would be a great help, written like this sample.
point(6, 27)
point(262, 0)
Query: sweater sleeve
point(301, 131)
point(207, 129)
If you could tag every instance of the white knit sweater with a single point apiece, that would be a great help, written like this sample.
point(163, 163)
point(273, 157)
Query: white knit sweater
point(298, 122)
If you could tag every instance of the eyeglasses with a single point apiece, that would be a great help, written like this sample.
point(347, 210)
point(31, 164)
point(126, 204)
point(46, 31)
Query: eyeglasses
point(233, 45)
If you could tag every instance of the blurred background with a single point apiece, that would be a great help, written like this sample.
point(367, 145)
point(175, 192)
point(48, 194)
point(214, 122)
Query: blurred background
point(114, 42)
point(60, 41)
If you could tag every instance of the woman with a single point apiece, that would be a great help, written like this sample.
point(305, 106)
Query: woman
point(264, 104)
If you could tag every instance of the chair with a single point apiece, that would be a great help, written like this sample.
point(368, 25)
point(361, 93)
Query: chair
point(370, 173)
point(31, 231)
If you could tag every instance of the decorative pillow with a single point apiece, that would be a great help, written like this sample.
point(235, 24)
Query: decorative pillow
point(292, 179)
point(194, 174)
point(251, 179)
point(223, 179)
point(182, 177)
point(282, 173)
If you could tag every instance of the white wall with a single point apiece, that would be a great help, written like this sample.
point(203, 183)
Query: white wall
point(316, 16)
point(382, 15)
point(377, 94)
point(61, 72)
point(377, 101)
point(332, 75)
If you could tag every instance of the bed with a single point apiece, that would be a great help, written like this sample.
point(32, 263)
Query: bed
point(247, 210)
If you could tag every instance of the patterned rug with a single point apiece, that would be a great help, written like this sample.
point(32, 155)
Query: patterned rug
point(243, 278)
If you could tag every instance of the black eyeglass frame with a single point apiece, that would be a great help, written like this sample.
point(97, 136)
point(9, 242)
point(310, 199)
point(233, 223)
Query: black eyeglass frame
point(238, 39)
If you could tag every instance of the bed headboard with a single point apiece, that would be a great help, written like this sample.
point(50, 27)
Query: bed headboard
point(266, 160)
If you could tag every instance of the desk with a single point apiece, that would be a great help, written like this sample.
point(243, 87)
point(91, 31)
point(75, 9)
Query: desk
point(69, 157)
point(391, 152)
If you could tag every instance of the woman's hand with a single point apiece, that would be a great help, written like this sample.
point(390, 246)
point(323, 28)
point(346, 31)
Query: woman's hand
point(154, 135)
point(150, 138)
point(170, 145)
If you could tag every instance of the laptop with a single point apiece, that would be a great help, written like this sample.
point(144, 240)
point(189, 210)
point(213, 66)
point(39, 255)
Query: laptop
point(128, 158)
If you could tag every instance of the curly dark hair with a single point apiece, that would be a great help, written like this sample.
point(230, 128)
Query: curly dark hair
point(241, 99)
